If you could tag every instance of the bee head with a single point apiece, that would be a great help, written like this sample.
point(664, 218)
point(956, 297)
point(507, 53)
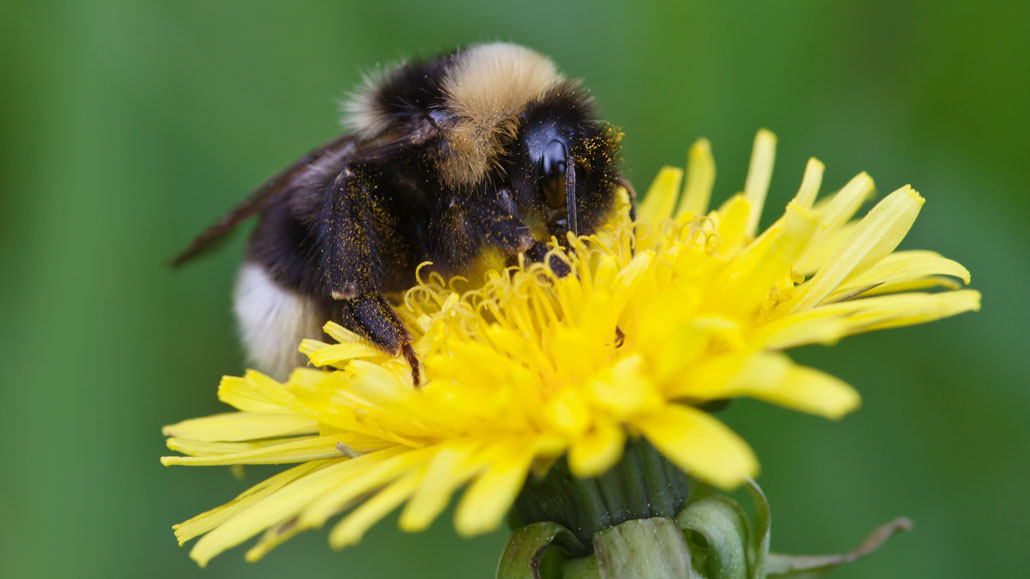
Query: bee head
point(566, 165)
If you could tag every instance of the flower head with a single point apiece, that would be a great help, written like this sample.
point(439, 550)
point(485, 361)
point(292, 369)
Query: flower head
point(658, 317)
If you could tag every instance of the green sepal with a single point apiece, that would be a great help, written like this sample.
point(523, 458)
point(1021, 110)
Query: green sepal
point(758, 553)
point(643, 549)
point(812, 566)
point(582, 568)
point(618, 525)
point(538, 551)
point(717, 531)
point(720, 536)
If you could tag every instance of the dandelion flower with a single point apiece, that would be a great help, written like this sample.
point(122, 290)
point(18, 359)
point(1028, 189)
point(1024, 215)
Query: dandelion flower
point(657, 318)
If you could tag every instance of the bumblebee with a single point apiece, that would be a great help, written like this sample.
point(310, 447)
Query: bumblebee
point(465, 160)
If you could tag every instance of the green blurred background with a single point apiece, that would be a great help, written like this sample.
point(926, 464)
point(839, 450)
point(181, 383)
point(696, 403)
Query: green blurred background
point(127, 127)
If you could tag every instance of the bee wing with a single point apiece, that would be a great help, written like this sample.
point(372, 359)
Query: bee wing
point(334, 152)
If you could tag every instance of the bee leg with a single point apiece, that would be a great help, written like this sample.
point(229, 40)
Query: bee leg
point(498, 225)
point(371, 317)
point(507, 232)
point(351, 267)
point(538, 252)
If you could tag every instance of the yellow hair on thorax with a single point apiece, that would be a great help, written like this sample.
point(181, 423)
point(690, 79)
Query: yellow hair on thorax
point(487, 88)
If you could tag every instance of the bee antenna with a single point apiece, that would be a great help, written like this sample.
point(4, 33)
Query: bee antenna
point(570, 193)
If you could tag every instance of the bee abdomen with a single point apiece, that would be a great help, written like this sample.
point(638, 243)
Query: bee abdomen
point(272, 321)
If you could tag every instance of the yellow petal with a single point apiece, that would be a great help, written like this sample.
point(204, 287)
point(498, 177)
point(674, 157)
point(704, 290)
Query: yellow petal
point(597, 449)
point(836, 210)
point(640, 264)
point(700, 177)
point(758, 176)
point(887, 311)
point(806, 194)
point(877, 235)
point(363, 478)
point(449, 469)
point(929, 282)
point(337, 353)
point(742, 287)
point(821, 250)
point(236, 426)
point(801, 329)
point(342, 334)
point(202, 448)
point(286, 503)
point(271, 510)
point(732, 225)
point(307, 448)
point(774, 378)
point(810, 183)
point(353, 526)
point(700, 444)
point(489, 497)
point(624, 388)
point(206, 521)
point(888, 226)
point(899, 268)
point(676, 349)
point(891, 311)
point(272, 538)
point(255, 392)
point(661, 196)
point(567, 413)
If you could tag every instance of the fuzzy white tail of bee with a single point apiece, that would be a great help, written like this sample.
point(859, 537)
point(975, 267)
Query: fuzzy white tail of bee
point(272, 321)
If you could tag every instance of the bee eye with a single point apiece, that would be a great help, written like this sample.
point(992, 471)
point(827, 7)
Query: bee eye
point(552, 179)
